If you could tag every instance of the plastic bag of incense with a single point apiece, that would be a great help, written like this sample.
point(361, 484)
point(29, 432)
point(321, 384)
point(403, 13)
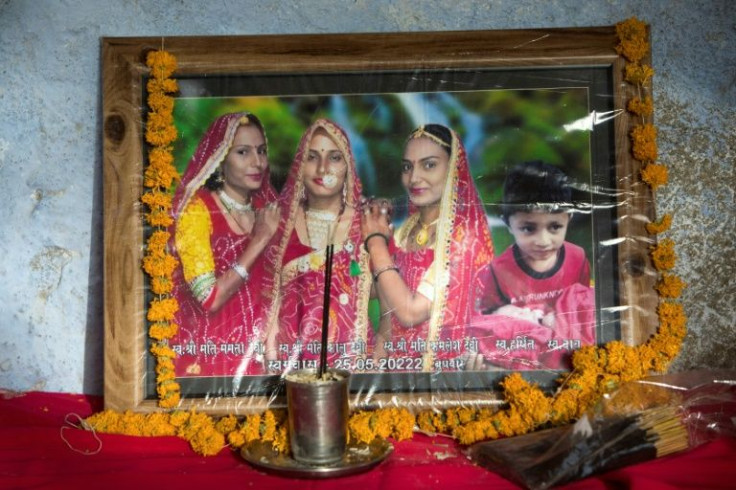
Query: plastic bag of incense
point(639, 421)
point(555, 456)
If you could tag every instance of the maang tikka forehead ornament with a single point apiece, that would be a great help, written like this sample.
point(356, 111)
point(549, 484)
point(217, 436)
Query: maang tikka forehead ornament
point(420, 132)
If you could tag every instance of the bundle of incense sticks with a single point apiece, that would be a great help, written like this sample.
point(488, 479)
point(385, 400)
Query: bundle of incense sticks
point(329, 251)
point(555, 456)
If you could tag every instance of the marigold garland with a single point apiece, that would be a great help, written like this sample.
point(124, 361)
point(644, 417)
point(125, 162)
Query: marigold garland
point(596, 370)
point(158, 178)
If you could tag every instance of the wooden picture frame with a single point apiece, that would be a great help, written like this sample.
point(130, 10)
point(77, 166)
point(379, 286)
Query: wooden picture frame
point(631, 299)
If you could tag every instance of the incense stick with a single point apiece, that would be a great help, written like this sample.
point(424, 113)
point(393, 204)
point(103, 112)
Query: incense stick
point(329, 250)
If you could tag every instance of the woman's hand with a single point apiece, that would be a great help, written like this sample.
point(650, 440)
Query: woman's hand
point(376, 218)
point(267, 221)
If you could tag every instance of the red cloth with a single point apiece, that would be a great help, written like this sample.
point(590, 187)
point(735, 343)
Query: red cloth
point(33, 454)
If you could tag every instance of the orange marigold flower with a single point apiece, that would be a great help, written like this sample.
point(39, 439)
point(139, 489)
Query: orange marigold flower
point(660, 226)
point(161, 285)
point(160, 176)
point(160, 349)
point(161, 136)
point(160, 265)
point(663, 254)
point(163, 330)
point(638, 74)
point(162, 63)
point(161, 156)
point(156, 199)
point(159, 217)
point(672, 319)
point(160, 87)
point(644, 142)
point(158, 241)
point(158, 121)
point(655, 175)
point(670, 286)
point(641, 107)
point(159, 102)
point(631, 28)
point(633, 49)
point(162, 309)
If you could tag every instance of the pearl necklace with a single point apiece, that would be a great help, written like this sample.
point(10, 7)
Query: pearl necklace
point(231, 204)
point(318, 226)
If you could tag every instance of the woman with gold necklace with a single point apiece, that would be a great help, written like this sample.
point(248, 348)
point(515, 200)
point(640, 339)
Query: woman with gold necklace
point(319, 207)
point(225, 214)
point(424, 274)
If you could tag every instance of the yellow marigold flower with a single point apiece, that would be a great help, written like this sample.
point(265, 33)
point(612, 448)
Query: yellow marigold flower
point(179, 417)
point(159, 217)
point(161, 285)
point(252, 428)
point(207, 442)
point(161, 136)
point(159, 102)
point(663, 254)
point(160, 176)
point(158, 242)
point(159, 266)
point(226, 424)
point(161, 156)
point(585, 358)
point(281, 441)
point(170, 401)
point(161, 86)
point(155, 199)
point(672, 319)
point(236, 439)
point(655, 175)
point(162, 63)
point(660, 226)
point(167, 387)
point(162, 310)
point(268, 426)
point(670, 286)
point(637, 74)
point(616, 361)
point(631, 28)
point(424, 421)
point(644, 142)
point(633, 49)
point(641, 107)
point(159, 350)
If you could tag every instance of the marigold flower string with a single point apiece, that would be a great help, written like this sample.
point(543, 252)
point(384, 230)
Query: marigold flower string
point(596, 370)
point(158, 177)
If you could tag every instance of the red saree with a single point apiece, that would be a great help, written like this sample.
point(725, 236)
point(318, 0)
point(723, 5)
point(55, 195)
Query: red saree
point(462, 246)
point(298, 271)
point(227, 342)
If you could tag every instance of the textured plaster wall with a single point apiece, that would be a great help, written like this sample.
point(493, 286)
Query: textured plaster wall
point(51, 302)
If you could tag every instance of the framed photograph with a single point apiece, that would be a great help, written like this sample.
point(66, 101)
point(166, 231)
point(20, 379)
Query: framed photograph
point(536, 149)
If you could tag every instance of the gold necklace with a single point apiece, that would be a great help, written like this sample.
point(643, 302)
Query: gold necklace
point(423, 235)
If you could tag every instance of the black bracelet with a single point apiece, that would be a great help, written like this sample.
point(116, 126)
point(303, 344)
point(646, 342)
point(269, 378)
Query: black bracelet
point(365, 242)
point(390, 267)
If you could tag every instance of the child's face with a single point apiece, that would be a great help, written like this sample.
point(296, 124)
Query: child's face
point(539, 235)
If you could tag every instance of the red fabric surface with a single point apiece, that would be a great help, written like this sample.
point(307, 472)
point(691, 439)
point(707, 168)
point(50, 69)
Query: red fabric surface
point(34, 454)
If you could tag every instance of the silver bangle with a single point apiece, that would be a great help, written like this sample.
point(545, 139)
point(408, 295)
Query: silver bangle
point(240, 270)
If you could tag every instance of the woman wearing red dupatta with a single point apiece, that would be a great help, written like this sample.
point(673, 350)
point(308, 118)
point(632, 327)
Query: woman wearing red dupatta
point(321, 196)
point(225, 213)
point(425, 281)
